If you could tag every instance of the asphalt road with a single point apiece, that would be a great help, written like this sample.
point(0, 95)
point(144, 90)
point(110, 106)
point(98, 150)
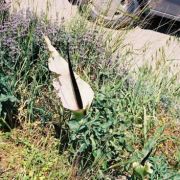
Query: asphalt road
point(145, 44)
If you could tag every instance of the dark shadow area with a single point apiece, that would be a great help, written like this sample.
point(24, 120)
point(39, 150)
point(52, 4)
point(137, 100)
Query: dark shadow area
point(153, 22)
point(163, 25)
point(63, 136)
point(74, 2)
point(8, 105)
point(10, 121)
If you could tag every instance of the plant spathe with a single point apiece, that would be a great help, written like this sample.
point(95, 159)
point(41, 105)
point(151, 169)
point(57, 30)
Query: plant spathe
point(64, 84)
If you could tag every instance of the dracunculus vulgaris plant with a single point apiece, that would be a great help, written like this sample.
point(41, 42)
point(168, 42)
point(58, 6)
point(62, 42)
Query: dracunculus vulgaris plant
point(74, 93)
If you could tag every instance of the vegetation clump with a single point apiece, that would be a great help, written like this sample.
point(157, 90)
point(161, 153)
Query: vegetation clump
point(126, 124)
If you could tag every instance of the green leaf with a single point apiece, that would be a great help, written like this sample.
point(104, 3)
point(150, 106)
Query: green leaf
point(4, 98)
point(73, 125)
point(93, 143)
point(83, 147)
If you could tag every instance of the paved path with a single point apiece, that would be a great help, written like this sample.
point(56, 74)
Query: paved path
point(148, 45)
point(145, 45)
point(60, 9)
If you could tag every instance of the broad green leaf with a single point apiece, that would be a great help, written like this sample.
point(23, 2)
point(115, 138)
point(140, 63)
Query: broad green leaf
point(73, 125)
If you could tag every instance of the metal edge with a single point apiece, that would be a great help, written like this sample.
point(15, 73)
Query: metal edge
point(169, 16)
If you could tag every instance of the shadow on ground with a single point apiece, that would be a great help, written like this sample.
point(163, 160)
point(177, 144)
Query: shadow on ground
point(163, 25)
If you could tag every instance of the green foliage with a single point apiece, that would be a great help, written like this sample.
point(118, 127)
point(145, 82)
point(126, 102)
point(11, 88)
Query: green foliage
point(117, 130)
point(114, 127)
point(41, 165)
point(7, 102)
point(36, 154)
point(162, 170)
point(24, 61)
point(141, 171)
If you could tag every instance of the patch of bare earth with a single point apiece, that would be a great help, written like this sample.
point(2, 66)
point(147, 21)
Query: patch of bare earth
point(168, 145)
point(11, 155)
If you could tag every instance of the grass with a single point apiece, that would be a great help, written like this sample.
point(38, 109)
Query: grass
point(134, 113)
point(31, 153)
